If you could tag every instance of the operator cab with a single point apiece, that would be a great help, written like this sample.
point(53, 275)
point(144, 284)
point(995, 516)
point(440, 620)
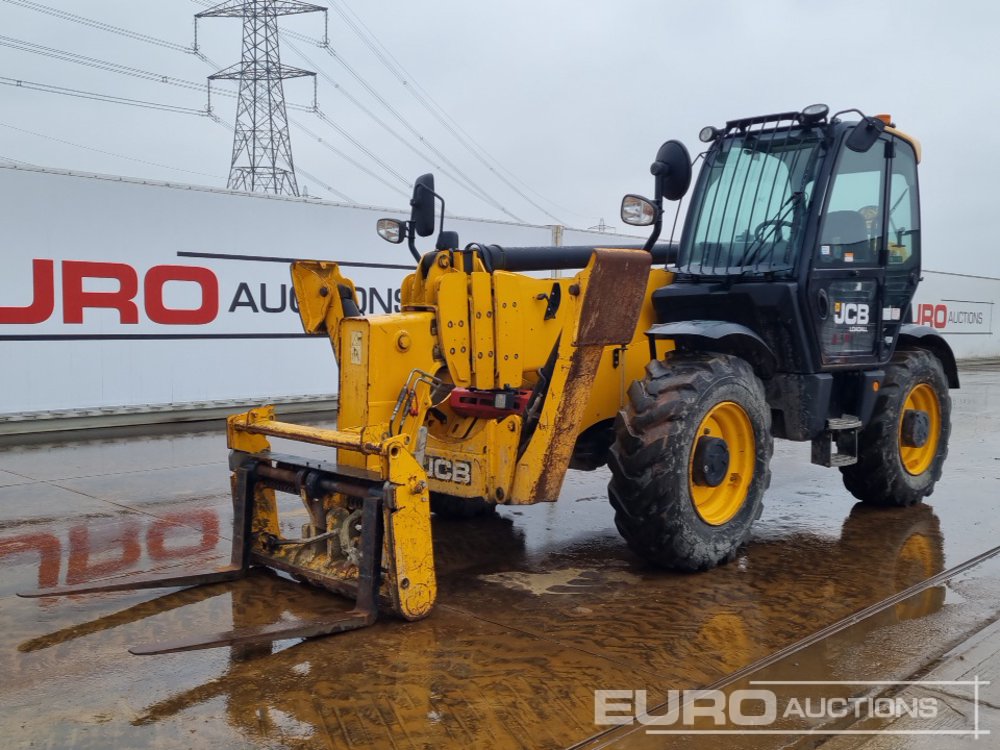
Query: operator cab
point(804, 229)
point(800, 253)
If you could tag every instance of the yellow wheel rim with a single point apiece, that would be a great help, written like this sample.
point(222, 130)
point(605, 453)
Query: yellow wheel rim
point(727, 421)
point(921, 398)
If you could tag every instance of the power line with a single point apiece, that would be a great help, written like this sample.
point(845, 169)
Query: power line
point(102, 151)
point(347, 158)
point(457, 175)
point(322, 116)
point(67, 16)
point(399, 117)
point(392, 65)
point(328, 188)
point(17, 162)
point(127, 70)
point(64, 91)
point(93, 62)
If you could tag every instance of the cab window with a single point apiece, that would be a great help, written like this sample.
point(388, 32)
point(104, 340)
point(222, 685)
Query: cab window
point(904, 209)
point(851, 234)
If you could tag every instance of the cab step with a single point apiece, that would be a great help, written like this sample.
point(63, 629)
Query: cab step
point(840, 431)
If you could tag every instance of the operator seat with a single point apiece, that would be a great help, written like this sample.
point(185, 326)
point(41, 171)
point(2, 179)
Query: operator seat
point(847, 234)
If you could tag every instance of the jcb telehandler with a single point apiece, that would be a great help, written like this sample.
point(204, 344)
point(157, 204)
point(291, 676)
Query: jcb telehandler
point(781, 312)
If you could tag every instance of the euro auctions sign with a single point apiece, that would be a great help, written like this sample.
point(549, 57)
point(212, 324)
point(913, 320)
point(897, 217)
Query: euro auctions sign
point(105, 299)
point(955, 316)
point(77, 293)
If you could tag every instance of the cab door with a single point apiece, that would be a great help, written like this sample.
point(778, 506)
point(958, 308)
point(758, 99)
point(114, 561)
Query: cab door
point(902, 257)
point(846, 283)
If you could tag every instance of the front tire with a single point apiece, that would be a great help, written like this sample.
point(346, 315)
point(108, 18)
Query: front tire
point(902, 450)
point(673, 510)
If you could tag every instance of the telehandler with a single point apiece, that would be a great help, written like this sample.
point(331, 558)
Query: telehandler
point(782, 312)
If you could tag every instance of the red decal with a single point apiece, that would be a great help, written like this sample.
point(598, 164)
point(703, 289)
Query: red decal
point(935, 316)
point(75, 299)
point(43, 301)
point(160, 313)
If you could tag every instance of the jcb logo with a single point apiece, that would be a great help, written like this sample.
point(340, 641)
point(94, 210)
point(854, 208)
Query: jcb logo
point(459, 472)
point(850, 313)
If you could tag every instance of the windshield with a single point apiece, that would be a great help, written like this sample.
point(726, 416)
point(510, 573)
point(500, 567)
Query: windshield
point(751, 204)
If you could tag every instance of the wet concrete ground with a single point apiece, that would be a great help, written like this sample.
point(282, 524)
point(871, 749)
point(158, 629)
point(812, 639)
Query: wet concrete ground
point(538, 606)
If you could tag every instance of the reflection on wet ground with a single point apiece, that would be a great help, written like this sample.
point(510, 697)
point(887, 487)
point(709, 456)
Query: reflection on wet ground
point(538, 606)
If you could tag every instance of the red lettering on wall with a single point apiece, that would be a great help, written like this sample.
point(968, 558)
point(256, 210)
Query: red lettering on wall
point(157, 276)
point(925, 314)
point(43, 301)
point(75, 299)
point(935, 316)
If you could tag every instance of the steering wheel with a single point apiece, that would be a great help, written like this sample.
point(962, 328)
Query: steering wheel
point(758, 233)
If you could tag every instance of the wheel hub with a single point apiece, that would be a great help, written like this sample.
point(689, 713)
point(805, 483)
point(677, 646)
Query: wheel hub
point(711, 461)
point(916, 428)
point(919, 429)
point(721, 463)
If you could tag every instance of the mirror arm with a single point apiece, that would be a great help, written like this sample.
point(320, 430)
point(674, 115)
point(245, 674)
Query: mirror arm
point(655, 234)
point(658, 205)
point(411, 240)
point(836, 115)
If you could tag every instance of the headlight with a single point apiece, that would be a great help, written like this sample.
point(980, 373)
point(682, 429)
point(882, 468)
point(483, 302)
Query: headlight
point(813, 113)
point(638, 211)
point(708, 134)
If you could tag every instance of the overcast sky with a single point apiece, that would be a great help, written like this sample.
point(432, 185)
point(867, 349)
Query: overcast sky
point(573, 98)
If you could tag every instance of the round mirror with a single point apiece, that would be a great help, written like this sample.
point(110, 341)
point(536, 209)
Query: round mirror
point(672, 170)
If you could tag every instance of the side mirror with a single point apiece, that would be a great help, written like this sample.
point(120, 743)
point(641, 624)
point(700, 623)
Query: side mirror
point(865, 134)
point(422, 205)
point(672, 170)
point(391, 230)
point(638, 211)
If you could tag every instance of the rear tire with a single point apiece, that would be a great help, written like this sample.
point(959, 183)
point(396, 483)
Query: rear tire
point(889, 472)
point(666, 507)
point(456, 508)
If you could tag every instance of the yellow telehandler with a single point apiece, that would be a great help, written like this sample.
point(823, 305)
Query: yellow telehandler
point(782, 312)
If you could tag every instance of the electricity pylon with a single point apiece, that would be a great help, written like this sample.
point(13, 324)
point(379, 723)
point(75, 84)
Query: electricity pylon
point(262, 148)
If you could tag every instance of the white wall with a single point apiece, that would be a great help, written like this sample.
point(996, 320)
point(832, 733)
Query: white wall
point(55, 363)
point(962, 308)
